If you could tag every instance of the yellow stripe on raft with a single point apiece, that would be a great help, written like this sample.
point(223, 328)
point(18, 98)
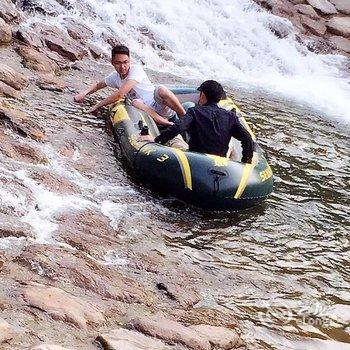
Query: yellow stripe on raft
point(185, 167)
point(120, 115)
point(244, 180)
point(247, 127)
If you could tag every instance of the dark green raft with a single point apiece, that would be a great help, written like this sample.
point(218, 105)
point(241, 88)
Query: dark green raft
point(205, 180)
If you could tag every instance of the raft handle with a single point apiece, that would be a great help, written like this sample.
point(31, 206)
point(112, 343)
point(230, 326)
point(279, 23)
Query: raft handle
point(218, 175)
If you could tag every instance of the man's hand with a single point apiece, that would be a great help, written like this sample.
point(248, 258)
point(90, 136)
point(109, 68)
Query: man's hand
point(79, 98)
point(146, 138)
point(93, 110)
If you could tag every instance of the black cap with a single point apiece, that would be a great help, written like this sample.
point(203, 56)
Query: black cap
point(212, 90)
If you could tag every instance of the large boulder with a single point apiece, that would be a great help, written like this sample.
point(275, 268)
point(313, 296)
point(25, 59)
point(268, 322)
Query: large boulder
point(9, 76)
point(8, 91)
point(5, 32)
point(36, 60)
point(342, 6)
point(62, 305)
point(65, 47)
point(341, 43)
point(307, 10)
point(339, 26)
point(324, 6)
point(8, 11)
point(29, 37)
point(314, 27)
point(78, 31)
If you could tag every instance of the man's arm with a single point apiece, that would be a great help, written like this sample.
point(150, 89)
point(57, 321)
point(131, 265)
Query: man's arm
point(90, 90)
point(116, 95)
point(241, 134)
point(183, 125)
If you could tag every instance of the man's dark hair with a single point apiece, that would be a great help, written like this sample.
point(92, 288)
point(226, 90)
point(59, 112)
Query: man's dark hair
point(212, 90)
point(120, 49)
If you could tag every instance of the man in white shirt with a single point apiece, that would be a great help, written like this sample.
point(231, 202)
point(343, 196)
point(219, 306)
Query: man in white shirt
point(132, 82)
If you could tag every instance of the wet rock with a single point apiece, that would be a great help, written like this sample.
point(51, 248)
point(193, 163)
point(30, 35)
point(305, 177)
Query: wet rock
point(95, 51)
point(340, 43)
point(50, 82)
point(307, 10)
point(55, 183)
point(324, 6)
point(8, 91)
point(6, 332)
point(22, 152)
point(315, 27)
point(65, 47)
point(9, 76)
point(123, 339)
point(78, 31)
point(5, 32)
point(20, 122)
point(86, 273)
point(49, 347)
point(170, 331)
point(321, 46)
point(8, 11)
point(342, 6)
point(36, 60)
point(339, 26)
point(62, 305)
point(62, 62)
point(11, 226)
point(38, 6)
point(219, 337)
point(29, 37)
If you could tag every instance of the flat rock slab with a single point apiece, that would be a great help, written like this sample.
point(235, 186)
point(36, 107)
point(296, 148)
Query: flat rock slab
point(339, 26)
point(5, 331)
point(8, 91)
point(170, 331)
point(342, 6)
point(219, 337)
point(323, 6)
point(49, 347)
point(62, 305)
point(123, 339)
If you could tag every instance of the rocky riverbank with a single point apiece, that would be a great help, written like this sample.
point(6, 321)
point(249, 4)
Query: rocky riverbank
point(324, 25)
point(73, 272)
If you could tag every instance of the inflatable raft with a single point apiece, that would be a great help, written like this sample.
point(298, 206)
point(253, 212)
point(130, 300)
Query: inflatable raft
point(205, 180)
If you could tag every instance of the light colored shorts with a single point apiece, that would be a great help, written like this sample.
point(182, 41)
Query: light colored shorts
point(159, 106)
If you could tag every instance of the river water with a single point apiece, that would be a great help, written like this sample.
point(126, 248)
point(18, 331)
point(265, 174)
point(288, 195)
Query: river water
point(282, 267)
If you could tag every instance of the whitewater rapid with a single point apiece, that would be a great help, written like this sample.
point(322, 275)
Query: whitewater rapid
point(228, 40)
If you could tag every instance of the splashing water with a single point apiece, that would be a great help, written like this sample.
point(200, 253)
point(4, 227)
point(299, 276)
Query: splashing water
point(229, 40)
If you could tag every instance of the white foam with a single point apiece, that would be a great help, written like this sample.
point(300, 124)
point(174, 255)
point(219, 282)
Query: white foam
point(228, 40)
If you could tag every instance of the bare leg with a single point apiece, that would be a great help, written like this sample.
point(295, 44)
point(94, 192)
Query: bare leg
point(151, 112)
point(171, 101)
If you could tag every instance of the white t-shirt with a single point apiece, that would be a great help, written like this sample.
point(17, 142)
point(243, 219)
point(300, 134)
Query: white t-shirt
point(143, 90)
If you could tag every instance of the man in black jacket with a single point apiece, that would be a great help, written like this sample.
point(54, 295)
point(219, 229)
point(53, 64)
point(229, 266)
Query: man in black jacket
point(210, 127)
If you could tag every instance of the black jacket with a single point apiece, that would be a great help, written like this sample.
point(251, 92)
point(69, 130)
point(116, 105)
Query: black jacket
point(210, 128)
